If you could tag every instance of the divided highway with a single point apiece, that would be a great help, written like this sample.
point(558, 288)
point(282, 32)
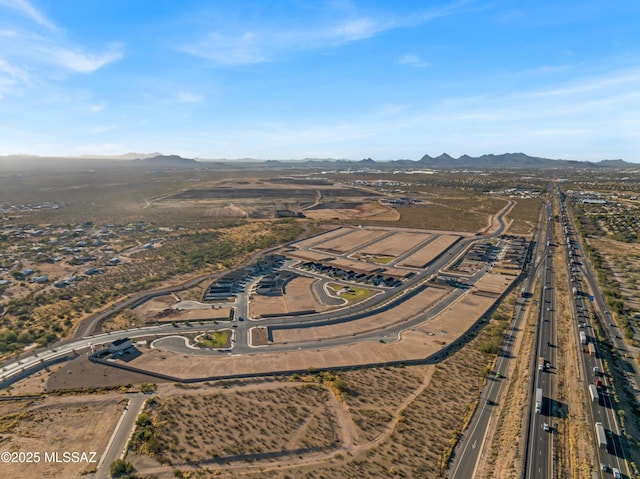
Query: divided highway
point(597, 385)
point(539, 459)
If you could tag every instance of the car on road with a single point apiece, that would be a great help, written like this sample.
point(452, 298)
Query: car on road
point(616, 473)
point(546, 427)
point(604, 467)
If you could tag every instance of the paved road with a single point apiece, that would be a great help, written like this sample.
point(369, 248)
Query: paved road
point(470, 448)
point(120, 437)
point(539, 459)
point(602, 408)
point(29, 364)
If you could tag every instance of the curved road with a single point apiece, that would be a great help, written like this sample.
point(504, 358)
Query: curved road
point(27, 365)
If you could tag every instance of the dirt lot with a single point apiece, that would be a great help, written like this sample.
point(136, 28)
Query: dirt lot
point(361, 266)
point(372, 210)
point(524, 216)
point(58, 424)
point(405, 310)
point(299, 296)
point(290, 418)
point(350, 241)
point(321, 238)
point(427, 254)
point(163, 308)
point(82, 373)
point(396, 244)
point(259, 336)
point(304, 255)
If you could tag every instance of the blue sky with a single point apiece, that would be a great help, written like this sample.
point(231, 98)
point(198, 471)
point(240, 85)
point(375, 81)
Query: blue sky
point(312, 78)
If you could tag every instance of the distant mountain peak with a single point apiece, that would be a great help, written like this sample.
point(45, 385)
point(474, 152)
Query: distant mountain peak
point(166, 160)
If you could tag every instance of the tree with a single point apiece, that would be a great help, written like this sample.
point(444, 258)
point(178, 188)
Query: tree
point(120, 467)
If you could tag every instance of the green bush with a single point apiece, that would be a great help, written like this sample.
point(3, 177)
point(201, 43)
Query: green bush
point(120, 467)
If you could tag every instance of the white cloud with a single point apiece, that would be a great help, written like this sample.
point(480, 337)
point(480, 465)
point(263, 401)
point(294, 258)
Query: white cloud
point(32, 55)
point(186, 97)
point(10, 77)
point(242, 42)
point(413, 60)
point(245, 49)
point(358, 29)
point(96, 107)
point(24, 8)
point(76, 60)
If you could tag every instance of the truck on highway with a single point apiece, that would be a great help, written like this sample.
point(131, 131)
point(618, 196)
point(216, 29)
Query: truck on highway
point(592, 349)
point(601, 436)
point(583, 337)
point(542, 364)
point(539, 401)
point(593, 392)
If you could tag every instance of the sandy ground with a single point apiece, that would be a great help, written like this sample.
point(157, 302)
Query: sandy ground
point(81, 372)
point(349, 264)
point(425, 255)
point(365, 210)
point(61, 424)
point(406, 310)
point(494, 283)
point(162, 309)
point(305, 255)
point(259, 336)
point(321, 238)
point(299, 296)
point(351, 240)
point(396, 244)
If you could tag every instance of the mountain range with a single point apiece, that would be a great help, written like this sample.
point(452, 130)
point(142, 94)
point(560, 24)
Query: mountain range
point(443, 161)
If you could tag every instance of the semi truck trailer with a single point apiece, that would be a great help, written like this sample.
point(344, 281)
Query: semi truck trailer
point(539, 401)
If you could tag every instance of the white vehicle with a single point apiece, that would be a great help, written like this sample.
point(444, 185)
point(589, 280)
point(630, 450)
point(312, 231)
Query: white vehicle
point(601, 436)
point(546, 427)
point(539, 401)
point(616, 473)
point(593, 392)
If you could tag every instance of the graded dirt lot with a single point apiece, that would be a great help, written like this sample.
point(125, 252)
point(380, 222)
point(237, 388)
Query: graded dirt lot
point(360, 266)
point(354, 211)
point(58, 424)
point(82, 373)
point(433, 249)
point(396, 244)
point(304, 255)
point(299, 296)
point(351, 240)
point(406, 310)
point(321, 238)
point(166, 309)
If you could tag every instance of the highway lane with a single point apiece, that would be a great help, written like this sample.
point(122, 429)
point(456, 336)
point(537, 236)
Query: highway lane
point(601, 407)
point(540, 439)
